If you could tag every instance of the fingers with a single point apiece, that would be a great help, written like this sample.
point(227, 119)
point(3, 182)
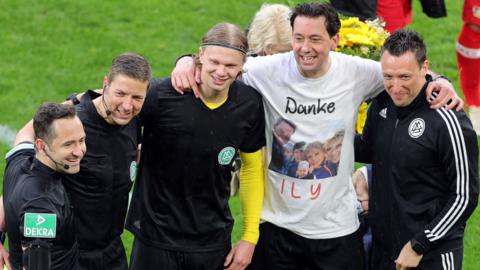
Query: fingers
point(456, 103)
point(237, 265)
point(445, 96)
point(400, 267)
point(452, 104)
point(460, 106)
point(183, 76)
point(228, 260)
point(185, 81)
point(4, 258)
point(238, 258)
point(196, 81)
point(441, 98)
point(8, 263)
point(365, 206)
point(176, 83)
point(5, 263)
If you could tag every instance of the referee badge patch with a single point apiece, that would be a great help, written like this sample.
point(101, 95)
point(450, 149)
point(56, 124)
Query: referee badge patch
point(226, 155)
point(133, 170)
point(416, 128)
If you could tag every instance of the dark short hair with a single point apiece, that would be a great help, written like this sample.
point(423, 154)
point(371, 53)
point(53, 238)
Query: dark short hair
point(406, 40)
point(288, 122)
point(314, 10)
point(131, 65)
point(299, 145)
point(46, 115)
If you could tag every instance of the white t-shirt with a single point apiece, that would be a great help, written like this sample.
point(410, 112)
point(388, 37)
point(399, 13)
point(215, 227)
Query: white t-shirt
point(321, 204)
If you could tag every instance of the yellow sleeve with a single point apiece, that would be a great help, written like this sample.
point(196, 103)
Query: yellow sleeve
point(251, 193)
point(361, 117)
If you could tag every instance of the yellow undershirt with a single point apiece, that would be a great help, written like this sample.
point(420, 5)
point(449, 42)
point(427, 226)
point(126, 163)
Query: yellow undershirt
point(251, 193)
point(213, 106)
point(251, 188)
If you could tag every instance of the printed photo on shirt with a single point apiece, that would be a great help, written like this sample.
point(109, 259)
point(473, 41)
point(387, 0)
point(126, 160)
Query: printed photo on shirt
point(317, 159)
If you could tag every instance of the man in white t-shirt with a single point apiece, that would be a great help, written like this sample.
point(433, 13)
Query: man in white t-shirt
point(311, 223)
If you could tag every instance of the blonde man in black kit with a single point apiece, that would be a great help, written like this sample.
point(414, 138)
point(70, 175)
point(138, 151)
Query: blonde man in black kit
point(179, 211)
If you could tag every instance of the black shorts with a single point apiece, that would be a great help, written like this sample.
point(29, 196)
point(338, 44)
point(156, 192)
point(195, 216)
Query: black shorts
point(279, 249)
point(444, 260)
point(145, 257)
point(112, 257)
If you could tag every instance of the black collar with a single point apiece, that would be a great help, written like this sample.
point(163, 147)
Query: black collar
point(39, 166)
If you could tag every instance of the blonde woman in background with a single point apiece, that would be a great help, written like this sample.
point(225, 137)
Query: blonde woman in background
point(270, 31)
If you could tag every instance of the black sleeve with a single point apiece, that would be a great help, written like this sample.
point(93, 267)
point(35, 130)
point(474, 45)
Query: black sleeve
point(91, 94)
point(41, 204)
point(458, 150)
point(150, 105)
point(21, 150)
point(255, 138)
point(15, 158)
point(37, 250)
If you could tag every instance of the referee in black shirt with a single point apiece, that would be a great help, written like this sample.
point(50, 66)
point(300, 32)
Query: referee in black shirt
point(38, 213)
point(425, 166)
point(99, 192)
point(179, 212)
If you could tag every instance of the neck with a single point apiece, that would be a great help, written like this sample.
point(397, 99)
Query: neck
point(43, 158)
point(213, 96)
point(100, 105)
point(315, 74)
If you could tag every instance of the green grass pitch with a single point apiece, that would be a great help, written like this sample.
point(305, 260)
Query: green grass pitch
point(51, 48)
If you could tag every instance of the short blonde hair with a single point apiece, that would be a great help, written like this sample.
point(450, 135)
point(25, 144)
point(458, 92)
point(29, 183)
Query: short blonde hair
point(270, 27)
point(330, 141)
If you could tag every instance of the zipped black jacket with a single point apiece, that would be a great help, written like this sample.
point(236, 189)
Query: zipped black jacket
point(425, 174)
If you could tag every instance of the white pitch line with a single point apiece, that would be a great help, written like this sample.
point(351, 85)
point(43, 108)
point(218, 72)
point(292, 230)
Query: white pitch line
point(7, 135)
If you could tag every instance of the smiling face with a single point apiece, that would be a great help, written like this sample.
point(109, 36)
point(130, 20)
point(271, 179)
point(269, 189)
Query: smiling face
point(311, 45)
point(302, 172)
point(403, 77)
point(315, 156)
point(124, 97)
point(284, 131)
point(298, 154)
point(67, 147)
point(220, 67)
point(333, 149)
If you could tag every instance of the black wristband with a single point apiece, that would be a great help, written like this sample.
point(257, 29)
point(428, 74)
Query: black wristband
point(184, 55)
point(74, 99)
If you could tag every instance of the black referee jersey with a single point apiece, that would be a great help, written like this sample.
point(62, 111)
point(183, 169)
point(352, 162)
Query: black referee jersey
point(99, 192)
point(425, 179)
point(180, 201)
point(31, 186)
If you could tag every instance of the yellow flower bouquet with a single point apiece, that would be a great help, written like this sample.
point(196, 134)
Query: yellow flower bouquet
point(361, 38)
point(364, 39)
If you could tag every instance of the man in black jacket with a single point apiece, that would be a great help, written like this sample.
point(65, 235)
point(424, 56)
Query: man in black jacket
point(38, 213)
point(425, 166)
